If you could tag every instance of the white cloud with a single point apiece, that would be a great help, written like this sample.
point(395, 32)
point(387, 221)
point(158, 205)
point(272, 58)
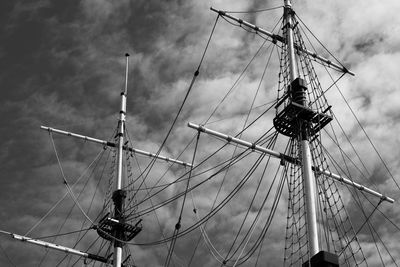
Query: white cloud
point(166, 41)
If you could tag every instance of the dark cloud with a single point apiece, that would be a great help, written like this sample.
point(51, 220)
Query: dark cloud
point(369, 44)
point(62, 65)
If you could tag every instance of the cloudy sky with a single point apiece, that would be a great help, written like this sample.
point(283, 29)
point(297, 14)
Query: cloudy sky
point(62, 65)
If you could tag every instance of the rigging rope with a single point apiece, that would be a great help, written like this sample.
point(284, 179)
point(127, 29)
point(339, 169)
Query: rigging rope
point(369, 139)
point(336, 143)
point(71, 209)
point(5, 254)
point(261, 237)
point(68, 187)
point(252, 227)
point(178, 224)
point(227, 257)
point(366, 221)
point(371, 228)
point(63, 197)
point(337, 216)
point(62, 234)
point(195, 75)
point(155, 212)
point(203, 229)
point(294, 172)
point(255, 11)
point(79, 237)
point(326, 49)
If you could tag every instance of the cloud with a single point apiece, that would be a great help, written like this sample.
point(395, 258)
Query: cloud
point(64, 66)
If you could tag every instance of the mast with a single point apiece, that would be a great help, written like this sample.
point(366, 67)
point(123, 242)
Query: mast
point(112, 227)
point(301, 119)
point(289, 37)
point(303, 137)
point(119, 195)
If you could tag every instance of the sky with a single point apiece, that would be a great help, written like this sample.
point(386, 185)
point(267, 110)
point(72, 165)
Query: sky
point(62, 65)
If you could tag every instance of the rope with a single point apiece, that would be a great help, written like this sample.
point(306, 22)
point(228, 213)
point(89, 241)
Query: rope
point(269, 220)
point(63, 197)
point(214, 211)
point(214, 251)
point(234, 152)
point(73, 197)
point(62, 234)
point(155, 212)
point(195, 75)
point(79, 237)
point(326, 49)
point(255, 11)
point(69, 189)
point(71, 209)
point(248, 210)
point(205, 160)
point(178, 224)
point(242, 73)
point(235, 83)
point(5, 253)
point(337, 216)
point(369, 139)
point(367, 220)
point(252, 228)
point(336, 143)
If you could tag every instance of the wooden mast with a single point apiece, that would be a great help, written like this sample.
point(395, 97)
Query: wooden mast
point(119, 195)
point(303, 138)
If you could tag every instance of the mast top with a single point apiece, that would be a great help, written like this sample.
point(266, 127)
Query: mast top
point(126, 75)
point(288, 3)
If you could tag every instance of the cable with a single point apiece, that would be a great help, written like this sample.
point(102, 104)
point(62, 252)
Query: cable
point(69, 189)
point(255, 11)
point(178, 224)
point(5, 254)
point(248, 114)
point(369, 139)
point(62, 234)
point(320, 42)
point(62, 198)
point(196, 73)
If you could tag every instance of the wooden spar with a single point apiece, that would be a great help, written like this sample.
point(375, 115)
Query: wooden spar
point(281, 39)
point(57, 247)
point(111, 144)
point(354, 184)
point(289, 159)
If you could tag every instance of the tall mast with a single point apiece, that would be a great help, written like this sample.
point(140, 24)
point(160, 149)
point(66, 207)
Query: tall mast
point(112, 227)
point(298, 92)
point(289, 37)
point(119, 195)
point(300, 119)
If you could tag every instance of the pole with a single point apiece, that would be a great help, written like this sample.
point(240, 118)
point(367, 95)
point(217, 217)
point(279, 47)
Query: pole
point(291, 160)
point(113, 145)
point(119, 194)
point(306, 167)
point(280, 39)
point(290, 41)
point(121, 126)
point(53, 246)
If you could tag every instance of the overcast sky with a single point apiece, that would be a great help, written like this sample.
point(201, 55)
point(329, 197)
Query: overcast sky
point(62, 65)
